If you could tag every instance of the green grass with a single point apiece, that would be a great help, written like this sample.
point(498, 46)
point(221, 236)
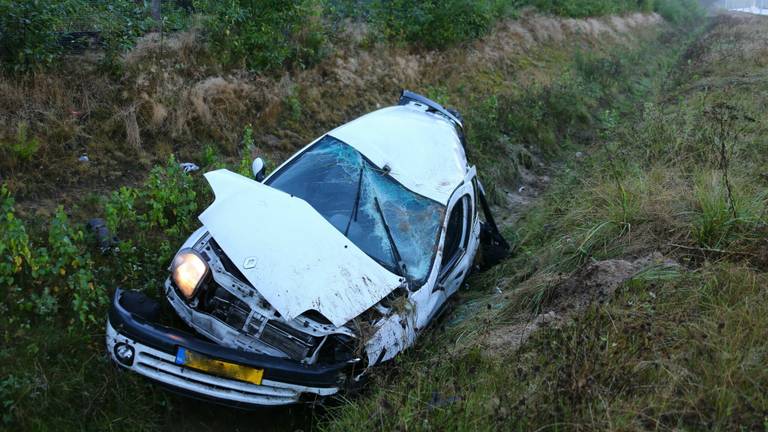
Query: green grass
point(683, 353)
point(648, 181)
point(675, 348)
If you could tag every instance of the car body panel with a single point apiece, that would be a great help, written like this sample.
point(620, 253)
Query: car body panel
point(293, 257)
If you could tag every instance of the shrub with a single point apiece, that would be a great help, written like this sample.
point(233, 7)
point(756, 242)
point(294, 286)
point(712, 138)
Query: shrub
point(430, 23)
point(15, 251)
point(264, 35)
point(170, 199)
point(119, 208)
point(31, 30)
point(71, 264)
point(586, 8)
point(679, 11)
point(63, 269)
point(26, 37)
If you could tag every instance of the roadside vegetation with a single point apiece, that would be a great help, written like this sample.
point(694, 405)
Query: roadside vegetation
point(679, 345)
point(91, 78)
point(671, 165)
point(37, 33)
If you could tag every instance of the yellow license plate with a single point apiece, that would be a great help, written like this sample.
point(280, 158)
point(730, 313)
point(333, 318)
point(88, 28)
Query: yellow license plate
point(220, 368)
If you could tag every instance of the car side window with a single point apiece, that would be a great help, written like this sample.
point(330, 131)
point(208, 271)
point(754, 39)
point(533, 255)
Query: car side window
point(454, 232)
point(476, 191)
point(469, 220)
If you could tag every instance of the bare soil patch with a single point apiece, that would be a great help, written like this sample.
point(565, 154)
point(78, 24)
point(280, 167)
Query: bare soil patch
point(596, 282)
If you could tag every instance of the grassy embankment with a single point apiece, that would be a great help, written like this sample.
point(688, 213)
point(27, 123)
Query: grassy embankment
point(552, 88)
point(192, 92)
point(676, 347)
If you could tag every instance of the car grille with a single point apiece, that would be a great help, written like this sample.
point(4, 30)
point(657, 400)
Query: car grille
point(234, 312)
point(228, 308)
point(297, 345)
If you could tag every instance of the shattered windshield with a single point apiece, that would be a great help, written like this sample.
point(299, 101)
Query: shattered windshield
point(344, 187)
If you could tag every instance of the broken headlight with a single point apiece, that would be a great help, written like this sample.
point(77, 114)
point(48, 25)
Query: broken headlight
point(189, 272)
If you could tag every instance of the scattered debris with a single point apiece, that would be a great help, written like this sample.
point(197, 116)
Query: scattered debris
point(83, 158)
point(189, 167)
point(106, 239)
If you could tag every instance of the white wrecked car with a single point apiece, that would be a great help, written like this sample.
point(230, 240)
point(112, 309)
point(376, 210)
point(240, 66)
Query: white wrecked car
point(337, 261)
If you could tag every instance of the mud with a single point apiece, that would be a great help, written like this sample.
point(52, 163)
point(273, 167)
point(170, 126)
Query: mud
point(596, 283)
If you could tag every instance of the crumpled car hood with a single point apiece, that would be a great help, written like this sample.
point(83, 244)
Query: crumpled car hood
point(293, 257)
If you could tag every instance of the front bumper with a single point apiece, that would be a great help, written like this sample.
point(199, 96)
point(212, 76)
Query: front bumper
point(284, 381)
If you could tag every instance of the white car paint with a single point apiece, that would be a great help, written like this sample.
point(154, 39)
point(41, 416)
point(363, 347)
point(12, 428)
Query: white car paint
point(421, 149)
point(290, 254)
point(399, 331)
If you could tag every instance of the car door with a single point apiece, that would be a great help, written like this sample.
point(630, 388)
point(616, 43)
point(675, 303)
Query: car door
point(459, 244)
point(457, 232)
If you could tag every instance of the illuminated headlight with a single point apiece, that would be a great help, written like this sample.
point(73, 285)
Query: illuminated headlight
point(189, 271)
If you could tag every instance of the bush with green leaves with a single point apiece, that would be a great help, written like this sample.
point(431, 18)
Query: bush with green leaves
point(264, 35)
point(70, 266)
point(27, 37)
point(35, 280)
point(15, 250)
point(39, 274)
point(431, 23)
point(587, 8)
point(679, 11)
point(170, 199)
point(31, 30)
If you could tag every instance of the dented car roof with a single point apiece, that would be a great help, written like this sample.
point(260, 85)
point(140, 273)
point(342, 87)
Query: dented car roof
point(422, 150)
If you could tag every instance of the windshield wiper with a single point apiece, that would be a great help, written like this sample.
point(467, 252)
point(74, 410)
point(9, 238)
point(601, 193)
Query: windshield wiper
point(357, 200)
point(395, 252)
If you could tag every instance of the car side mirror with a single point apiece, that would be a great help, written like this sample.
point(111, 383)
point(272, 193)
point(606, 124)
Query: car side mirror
point(258, 168)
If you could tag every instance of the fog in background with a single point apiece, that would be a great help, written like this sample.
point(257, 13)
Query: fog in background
point(752, 6)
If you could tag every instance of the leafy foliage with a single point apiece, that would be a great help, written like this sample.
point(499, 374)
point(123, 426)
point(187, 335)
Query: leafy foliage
point(587, 8)
point(15, 252)
point(679, 11)
point(32, 32)
point(27, 39)
point(62, 269)
point(37, 275)
point(432, 24)
point(264, 35)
